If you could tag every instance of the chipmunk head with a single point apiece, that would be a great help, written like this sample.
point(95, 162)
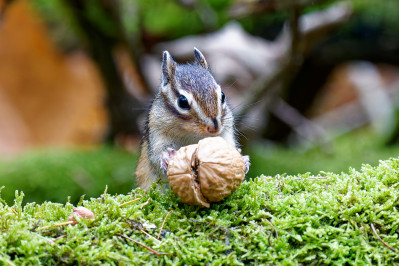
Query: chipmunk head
point(192, 95)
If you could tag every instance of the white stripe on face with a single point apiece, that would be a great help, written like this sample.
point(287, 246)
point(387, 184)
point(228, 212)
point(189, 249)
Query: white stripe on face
point(172, 99)
point(220, 105)
point(169, 93)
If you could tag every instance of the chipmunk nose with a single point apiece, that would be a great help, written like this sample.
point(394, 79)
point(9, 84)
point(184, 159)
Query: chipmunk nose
point(213, 127)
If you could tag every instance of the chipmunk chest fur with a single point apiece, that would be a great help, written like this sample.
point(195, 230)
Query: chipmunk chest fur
point(188, 107)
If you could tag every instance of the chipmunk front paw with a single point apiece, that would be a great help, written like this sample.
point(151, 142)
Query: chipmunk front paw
point(165, 158)
point(247, 163)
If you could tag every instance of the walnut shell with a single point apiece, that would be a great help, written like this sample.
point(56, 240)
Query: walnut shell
point(206, 172)
point(182, 177)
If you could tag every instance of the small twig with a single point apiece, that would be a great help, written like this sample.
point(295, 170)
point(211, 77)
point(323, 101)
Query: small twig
point(144, 246)
point(312, 178)
point(54, 225)
point(379, 238)
point(10, 263)
point(126, 203)
point(305, 128)
point(145, 203)
point(60, 237)
point(13, 211)
point(147, 234)
point(275, 230)
point(160, 231)
point(138, 225)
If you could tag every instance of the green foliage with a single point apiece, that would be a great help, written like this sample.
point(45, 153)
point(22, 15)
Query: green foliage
point(379, 13)
point(268, 220)
point(56, 175)
point(59, 21)
point(98, 16)
point(171, 20)
point(168, 18)
point(162, 18)
point(350, 150)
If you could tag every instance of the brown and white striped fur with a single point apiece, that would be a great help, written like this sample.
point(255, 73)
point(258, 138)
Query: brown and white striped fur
point(189, 106)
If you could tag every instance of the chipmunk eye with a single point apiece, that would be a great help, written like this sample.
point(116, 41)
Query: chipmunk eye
point(223, 97)
point(183, 102)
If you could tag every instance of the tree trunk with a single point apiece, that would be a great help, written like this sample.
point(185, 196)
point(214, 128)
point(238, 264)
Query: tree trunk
point(123, 108)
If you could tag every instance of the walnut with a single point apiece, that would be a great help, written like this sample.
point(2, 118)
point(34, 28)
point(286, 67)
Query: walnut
point(81, 212)
point(206, 172)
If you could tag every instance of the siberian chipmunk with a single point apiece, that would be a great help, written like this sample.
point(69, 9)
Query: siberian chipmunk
point(189, 106)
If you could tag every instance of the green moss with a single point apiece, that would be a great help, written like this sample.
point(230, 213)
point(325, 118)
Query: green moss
point(281, 219)
point(350, 150)
point(55, 175)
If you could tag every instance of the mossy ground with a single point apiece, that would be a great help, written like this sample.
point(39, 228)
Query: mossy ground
point(56, 175)
point(280, 219)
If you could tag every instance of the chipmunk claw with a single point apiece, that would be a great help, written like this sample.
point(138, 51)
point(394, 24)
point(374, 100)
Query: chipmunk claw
point(165, 158)
point(247, 163)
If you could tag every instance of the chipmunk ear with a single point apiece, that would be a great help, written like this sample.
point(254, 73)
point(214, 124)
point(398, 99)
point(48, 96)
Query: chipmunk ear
point(168, 68)
point(200, 58)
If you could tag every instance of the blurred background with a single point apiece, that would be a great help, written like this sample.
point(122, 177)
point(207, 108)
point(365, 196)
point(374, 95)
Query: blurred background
point(314, 85)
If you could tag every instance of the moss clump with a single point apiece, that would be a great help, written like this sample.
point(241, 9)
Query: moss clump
point(281, 219)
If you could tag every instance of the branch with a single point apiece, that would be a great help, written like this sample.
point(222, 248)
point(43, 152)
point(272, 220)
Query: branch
point(297, 39)
point(101, 46)
point(302, 126)
point(379, 238)
point(160, 231)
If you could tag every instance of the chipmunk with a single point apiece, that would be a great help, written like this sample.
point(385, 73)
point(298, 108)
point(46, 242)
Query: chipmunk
point(189, 106)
